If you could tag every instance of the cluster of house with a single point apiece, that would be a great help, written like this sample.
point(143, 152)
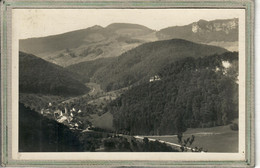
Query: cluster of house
point(64, 116)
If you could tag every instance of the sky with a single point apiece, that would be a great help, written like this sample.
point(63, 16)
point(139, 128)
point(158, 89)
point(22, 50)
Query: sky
point(44, 22)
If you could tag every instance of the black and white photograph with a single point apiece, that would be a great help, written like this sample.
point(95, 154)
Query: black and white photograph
point(128, 80)
point(127, 83)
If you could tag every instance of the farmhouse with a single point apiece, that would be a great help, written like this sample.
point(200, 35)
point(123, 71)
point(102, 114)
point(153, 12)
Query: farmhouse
point(154, 78)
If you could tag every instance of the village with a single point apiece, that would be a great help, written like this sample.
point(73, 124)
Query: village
point(66, 115)
point(70, 115)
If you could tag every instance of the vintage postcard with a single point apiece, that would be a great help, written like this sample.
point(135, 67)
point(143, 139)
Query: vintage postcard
point(152, 83)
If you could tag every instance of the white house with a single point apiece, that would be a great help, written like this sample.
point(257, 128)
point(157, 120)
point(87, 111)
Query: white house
point(154, 78)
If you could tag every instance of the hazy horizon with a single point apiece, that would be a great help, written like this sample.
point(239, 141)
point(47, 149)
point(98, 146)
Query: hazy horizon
point(34, 23)
point(121, 23)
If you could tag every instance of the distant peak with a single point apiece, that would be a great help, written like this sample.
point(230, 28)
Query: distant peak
point(202, 20)
point(121, 24)
point(96, 27)
point(125, 25)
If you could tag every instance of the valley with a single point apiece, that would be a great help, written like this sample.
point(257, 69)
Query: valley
point(128, 88)
point(102, 113)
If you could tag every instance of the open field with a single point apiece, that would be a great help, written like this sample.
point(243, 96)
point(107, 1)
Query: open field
point(104, 121)
point(216, 139)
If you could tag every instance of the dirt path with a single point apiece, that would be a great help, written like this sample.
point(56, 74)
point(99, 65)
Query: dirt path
point(95, 88)
point(161, 141)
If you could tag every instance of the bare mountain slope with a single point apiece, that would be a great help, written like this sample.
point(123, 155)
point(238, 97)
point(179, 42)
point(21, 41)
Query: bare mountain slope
point(86, 44)
point(103, 42)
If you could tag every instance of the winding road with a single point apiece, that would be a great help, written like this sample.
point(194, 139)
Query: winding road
point(161, 141)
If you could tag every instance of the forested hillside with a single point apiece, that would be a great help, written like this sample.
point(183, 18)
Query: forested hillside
point(87, 69)
point(39, 76)
point(139, 64)
point(191, 93)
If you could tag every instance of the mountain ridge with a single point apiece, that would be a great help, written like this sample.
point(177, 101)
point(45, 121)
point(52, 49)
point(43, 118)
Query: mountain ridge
point(111, 41)
point(203, 31)
point(85, 44)
point(142, 62)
